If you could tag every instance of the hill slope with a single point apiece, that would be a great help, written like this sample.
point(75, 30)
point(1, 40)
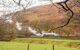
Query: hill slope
point(50, 15)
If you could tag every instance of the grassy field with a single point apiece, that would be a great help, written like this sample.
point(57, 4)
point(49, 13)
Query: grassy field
point(40, 44)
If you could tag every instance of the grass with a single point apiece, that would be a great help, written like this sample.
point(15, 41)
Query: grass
point(40, 44)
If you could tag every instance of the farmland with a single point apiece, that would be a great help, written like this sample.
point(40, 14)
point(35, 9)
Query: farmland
point(40, 44)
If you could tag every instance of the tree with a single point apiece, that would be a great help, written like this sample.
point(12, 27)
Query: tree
point(68, 9)
point(7, 31)
point(24, 6)
point(47, 26)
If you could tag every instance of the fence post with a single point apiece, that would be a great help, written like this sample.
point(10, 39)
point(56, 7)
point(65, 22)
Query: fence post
point(53, 47)
point(28, 47)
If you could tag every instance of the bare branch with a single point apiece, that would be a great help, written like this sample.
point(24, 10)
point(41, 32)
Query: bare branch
point(68, 21)
point(22, 5)
point(53, 3)
point(18, 3)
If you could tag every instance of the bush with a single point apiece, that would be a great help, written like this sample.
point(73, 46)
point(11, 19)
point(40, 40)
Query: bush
point(7, 31)
point(7, 36)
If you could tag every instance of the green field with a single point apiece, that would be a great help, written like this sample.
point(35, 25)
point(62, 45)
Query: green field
point(40, 44)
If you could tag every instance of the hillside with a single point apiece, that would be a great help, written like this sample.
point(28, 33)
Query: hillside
point(47, 17)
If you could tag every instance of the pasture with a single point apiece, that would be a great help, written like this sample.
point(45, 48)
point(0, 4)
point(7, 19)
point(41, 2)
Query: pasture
point(40, 44)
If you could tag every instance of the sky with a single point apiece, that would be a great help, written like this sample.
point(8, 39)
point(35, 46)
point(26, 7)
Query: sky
point(8, 6)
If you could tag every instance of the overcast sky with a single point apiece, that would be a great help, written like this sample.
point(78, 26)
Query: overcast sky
point(10, 6)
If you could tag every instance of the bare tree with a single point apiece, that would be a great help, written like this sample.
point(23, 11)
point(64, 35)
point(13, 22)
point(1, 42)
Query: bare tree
point(19, 3)
point(61, 4)
point(67, 9)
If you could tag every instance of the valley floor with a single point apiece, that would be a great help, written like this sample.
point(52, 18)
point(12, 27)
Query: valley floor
point(40, 44)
